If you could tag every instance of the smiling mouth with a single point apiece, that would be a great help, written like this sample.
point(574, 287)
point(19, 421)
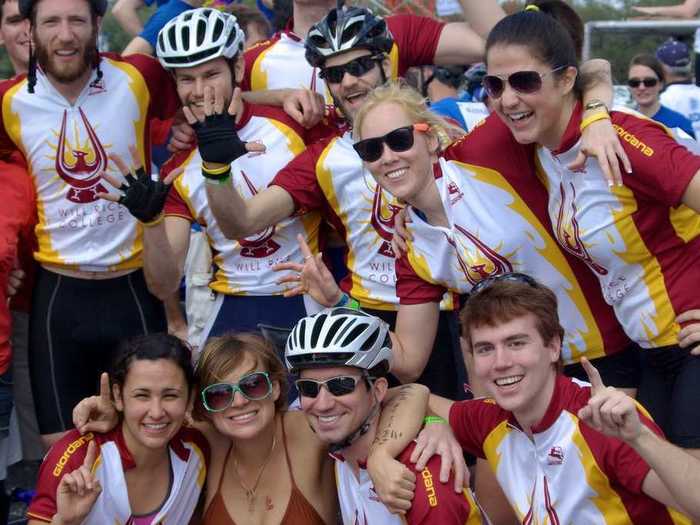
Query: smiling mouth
point(518, 117)
point(508, 381)
point(155, 427)
point(244, 418)
point(395, 174)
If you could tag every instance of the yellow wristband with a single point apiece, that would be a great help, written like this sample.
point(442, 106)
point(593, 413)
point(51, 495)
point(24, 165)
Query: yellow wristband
point(593, 118)
point(216, 171)
point(154, 222)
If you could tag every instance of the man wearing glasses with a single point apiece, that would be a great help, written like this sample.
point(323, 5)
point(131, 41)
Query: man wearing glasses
point(342, 357)
point(564, 451)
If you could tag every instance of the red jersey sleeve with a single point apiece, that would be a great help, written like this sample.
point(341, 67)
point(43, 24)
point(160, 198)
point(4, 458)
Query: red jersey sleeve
point(64, 457)
point(164, 98)
point(433, 501)
point(7, 147)
point(174, 204)
point(473, 420)
point(416, 39)
point(411, 289)
point(662, 168)
point(298, 178)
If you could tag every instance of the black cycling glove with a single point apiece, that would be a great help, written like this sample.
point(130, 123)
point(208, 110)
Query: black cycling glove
point(143, 196)
point(218, 140)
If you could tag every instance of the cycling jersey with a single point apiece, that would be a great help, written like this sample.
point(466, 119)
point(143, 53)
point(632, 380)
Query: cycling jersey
point(433, 501)
point(642, 244)
point(280, 62)
point(244, 266)
point(494, 233)
point(329, 176)
point(67, 147)
point(189, 454)
point(566, 472)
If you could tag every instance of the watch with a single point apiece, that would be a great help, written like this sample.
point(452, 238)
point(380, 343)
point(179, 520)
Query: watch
point(595, 104)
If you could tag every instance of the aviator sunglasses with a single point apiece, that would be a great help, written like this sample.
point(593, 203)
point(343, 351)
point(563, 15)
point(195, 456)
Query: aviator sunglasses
point(336, 386)
point(358, 67)
point(401, 139)
point(647, 81)
point(524, 82)
point(253, 387)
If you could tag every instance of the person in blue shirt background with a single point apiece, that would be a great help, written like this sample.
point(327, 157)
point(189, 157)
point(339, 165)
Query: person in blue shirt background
point(126, 12)
point(646, 80)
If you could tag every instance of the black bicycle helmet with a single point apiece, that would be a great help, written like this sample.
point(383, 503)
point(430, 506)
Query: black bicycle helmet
point(346, 28)
point(99, 7)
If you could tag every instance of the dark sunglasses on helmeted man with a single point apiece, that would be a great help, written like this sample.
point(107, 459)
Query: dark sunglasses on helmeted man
point(253, 387)
point(336, 386)
point(647, 81)
point(398, 140)
point(358, 67)
point(525, 82)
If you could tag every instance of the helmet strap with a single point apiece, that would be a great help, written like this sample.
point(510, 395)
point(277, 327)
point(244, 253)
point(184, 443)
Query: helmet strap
point(31, 71)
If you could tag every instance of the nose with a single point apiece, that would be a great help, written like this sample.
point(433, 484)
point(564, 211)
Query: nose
point(155, 409)
point(324, 400)
point(502, 359)
point(65, 33)
point(348, 80)
point(509, 97)
point(239, 399)
point(199, 87)
point(388, 155)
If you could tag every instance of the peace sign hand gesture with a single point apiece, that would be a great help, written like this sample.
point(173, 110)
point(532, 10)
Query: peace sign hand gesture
point(609, 410)
point(78, 490)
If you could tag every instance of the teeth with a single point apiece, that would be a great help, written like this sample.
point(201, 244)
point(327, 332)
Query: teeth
point(155, 426)
point(246, 416)
point(327, 419)
point(397, 173)
point(65, 53)
point(505, 381)
point(355, 96)
point(520, 116)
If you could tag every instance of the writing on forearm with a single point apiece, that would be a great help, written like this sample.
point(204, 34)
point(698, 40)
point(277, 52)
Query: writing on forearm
point(388, 432)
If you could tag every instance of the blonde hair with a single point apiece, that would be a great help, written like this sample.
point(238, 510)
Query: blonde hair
point(414, 105)
point(222, 354)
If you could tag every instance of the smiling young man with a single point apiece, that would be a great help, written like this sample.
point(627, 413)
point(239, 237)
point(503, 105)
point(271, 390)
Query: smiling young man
point(68, 117)
point(342, 357)
point(547, 437)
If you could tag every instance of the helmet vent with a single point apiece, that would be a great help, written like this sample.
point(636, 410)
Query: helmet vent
point(316, 331)
point(371, 340)
point(337, 324)
point(354, 334)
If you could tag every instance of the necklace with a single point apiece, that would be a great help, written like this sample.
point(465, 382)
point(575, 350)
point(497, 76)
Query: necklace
point(250, 495)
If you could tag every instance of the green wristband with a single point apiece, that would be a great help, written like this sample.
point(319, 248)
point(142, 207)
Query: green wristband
point(429, 420)
point(347, 302)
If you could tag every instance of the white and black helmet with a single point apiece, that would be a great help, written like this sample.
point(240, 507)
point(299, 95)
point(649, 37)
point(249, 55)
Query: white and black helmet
point(339, 337)
point(346, 28)
point(198, 36)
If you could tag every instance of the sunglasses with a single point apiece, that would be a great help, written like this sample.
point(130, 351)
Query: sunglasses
point(647, 81)
point(358, 67)
point(253, 387)
point(401, 139)
point(511, 276)
point(525, 82)
point(336, 386)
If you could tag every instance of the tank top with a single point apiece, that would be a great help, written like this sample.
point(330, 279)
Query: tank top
point(299, 510)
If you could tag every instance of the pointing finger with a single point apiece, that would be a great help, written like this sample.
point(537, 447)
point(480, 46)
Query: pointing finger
point(593, 375)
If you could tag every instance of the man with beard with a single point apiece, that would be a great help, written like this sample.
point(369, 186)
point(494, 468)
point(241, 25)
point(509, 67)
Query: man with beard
point(68, 118)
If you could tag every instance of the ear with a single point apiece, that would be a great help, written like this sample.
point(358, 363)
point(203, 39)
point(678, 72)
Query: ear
point(433, 142)
point(380, 387)
point(117, 395)
point(275, 390)
point(554, 348)
point(386, 66)
point(239, 69)
point(568, 79)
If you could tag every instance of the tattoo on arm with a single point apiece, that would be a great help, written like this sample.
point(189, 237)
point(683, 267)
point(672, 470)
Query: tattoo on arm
point(388, 433)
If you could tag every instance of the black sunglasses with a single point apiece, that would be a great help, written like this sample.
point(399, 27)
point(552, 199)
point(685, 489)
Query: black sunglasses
point(358, 67)
point(398, 140)
point(336, 386)
point(511, 276)
point(525, 82)
point(219, 396)
point(647, 81)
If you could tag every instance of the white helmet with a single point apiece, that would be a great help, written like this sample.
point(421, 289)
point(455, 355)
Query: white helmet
point(339, 337)
point(198, 36)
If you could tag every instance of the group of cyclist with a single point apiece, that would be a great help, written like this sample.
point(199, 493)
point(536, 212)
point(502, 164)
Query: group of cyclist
point(512, 223)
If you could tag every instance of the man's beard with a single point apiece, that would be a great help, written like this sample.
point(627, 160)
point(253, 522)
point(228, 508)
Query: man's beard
point(68, 72)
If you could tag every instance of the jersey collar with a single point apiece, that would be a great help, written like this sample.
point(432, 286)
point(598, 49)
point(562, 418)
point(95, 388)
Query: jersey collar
point(572, 133)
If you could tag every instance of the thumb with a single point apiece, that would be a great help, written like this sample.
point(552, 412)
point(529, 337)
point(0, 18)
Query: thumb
point(593, 375)
point(255, 147)
point(578, 163)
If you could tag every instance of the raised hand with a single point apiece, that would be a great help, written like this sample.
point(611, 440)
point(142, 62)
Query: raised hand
point(140, 194)
point(96, 413)
point(305, 106)
point(311, 277)
point(438, 438)
point(609, 410)
point(217, 138)
point(78, 490)
point(689, 336)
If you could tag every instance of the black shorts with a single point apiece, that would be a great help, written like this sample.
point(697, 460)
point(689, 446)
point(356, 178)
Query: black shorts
point(445, 373)
point(75, 326)
point(670, 391)
point(621, 370)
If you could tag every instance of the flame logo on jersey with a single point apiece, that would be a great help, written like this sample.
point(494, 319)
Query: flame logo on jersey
point(552, 518)
point(481, 261)
point(261, 244)
point(80, 164)
point(383, 215)
point(568, 231)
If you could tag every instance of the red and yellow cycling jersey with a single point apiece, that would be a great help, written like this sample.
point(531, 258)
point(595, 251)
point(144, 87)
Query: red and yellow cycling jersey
point(280, 62)
point(67, 148)
point(566, 472)
point(189, 454)
point(639, 240)
point(244, 266)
